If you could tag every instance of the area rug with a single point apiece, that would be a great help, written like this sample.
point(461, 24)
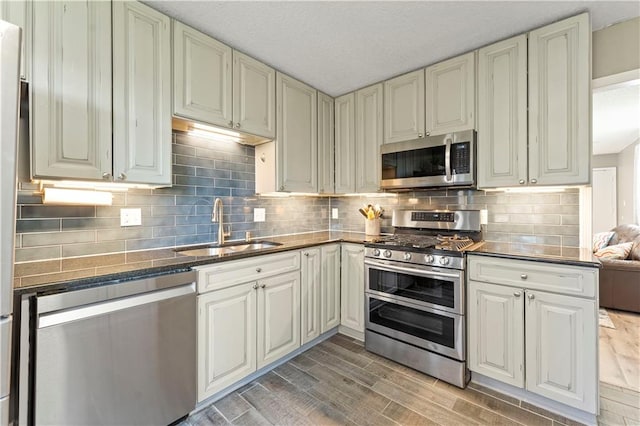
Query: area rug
point(604, 319)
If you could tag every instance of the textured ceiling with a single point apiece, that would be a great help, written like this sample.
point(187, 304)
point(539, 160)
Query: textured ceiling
point(616, 118)
point(341, 46)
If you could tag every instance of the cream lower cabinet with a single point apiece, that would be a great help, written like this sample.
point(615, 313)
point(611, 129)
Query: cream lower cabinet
point(524, 332)
point(352, 287)
point(330, 287)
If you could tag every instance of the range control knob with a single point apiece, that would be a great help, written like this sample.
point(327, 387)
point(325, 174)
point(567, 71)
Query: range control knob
point(387, 253)
point(428, 258)
point(444, 260)
point(406, 256)
point(376, 252)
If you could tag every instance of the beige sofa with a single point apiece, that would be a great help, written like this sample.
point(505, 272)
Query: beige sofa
point(620, 279)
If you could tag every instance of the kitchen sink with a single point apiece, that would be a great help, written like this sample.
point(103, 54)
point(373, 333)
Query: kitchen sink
point(228, 249)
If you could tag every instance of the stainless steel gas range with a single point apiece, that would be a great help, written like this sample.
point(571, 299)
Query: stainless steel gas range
point(415, 291)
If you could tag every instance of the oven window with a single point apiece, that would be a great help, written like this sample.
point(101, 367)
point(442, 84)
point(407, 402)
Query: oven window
point(424, 325)
point(426, 289)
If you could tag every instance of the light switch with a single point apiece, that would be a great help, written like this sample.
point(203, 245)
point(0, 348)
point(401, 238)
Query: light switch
point(259, 215)
point(130, 217)
point(334, 213)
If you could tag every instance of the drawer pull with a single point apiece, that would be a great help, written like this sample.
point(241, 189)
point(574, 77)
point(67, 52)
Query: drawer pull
point(524, 276)
point(531, 296)
point(306, 253)
point(258, 270)
point(263, 285)
point(516, 293)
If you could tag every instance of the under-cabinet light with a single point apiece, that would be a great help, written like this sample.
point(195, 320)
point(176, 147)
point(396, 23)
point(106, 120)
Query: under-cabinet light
point(528, 189)
point(76, 197)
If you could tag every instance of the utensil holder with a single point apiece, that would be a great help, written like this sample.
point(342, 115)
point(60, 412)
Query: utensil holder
point(372, 226)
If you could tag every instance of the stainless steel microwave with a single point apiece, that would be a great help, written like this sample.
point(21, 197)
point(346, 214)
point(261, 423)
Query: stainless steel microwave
point(434, 161)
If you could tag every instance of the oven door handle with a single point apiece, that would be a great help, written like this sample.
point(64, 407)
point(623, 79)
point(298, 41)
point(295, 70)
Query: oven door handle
point(409, 270)
point(447, 158)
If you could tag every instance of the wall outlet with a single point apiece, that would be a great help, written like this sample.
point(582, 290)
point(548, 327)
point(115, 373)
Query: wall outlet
point(130, 217)
point(259, 215)
point(334, 213)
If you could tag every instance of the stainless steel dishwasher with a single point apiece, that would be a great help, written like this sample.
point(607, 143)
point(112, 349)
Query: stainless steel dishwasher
point(122, 354)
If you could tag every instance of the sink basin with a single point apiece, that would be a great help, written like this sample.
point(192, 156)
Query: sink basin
point(228, 249)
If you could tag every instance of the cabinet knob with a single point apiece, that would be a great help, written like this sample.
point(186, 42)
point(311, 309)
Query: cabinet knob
point(516, 293)
point(524, 276)
point(306, 253)
point(263, 158)
point(258, 270)
point(106, 175)
point(521, 181)
point(281, 187)
point(419, 135)
point(531, 296)
point(534, 181)
point(237, 125)
point(263, 285)
point(122, 176)
point(230, 123)
point(255, 286)
point(428, 133)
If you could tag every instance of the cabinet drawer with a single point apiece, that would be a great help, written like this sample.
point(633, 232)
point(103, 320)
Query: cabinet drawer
point(564, 279)
point(227, 274)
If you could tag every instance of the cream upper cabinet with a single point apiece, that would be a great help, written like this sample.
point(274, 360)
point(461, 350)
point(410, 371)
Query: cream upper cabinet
point(496, 340)
point(141, 94)
point(502, 113)
point(540, 316)
point(330, 287)
point(296, 135)
point(559, 102)
point(352, 287)
point(404, 107)
point(226, 354)
point(19, 12)
point(562, 349)
point(450, 95)
point(311, 283)
point(71, 93)
point(345, 134)
point(254, 97)
point(202, 75)
point(278, 317)
point(326, 147)
point(369, 107)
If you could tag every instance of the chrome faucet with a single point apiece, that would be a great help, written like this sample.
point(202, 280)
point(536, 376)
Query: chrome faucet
point(217, 216)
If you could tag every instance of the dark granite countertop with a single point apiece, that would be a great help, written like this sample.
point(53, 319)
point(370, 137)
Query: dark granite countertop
point(52, 276)
point(576, 257)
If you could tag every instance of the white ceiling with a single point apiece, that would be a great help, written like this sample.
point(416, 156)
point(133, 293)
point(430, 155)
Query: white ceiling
point(616, 118)
point(341, 46)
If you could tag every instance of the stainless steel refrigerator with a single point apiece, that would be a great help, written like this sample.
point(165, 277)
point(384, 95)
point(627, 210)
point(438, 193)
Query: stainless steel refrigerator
point(9, 101)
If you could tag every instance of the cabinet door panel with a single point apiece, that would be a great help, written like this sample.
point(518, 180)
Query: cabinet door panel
point(352, 287)
point(71, 92)
point(278, 317)
point(201, 76)
point(330, 288)
point(450, 95)
point(502, 113)
point(404, 107)
point(496, 341)
point(19, 12)
point(297, 144)
point(345, 117)
point(562, 349)
point(310, 270)
point(254, 96)
point(141, 94)
point(226, 338)
point(559, 99)
point(326, 148)
point(368, 138)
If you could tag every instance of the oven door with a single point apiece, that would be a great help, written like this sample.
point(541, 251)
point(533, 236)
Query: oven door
point(426, 286)
point(430, 329)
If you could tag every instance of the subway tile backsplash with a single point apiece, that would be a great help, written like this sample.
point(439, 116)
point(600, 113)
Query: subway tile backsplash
point(204, 170)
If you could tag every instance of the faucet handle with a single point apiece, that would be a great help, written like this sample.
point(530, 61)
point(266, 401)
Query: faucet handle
point(226, 233)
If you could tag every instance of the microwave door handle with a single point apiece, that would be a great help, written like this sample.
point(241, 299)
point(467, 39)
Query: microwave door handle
point(447, 158)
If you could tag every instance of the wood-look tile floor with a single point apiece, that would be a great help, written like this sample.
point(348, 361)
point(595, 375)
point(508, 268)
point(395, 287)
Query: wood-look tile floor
point(339, 383)
point(620, 350)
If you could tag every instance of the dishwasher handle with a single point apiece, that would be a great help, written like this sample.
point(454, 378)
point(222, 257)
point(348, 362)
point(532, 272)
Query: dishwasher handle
point(96, 309)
